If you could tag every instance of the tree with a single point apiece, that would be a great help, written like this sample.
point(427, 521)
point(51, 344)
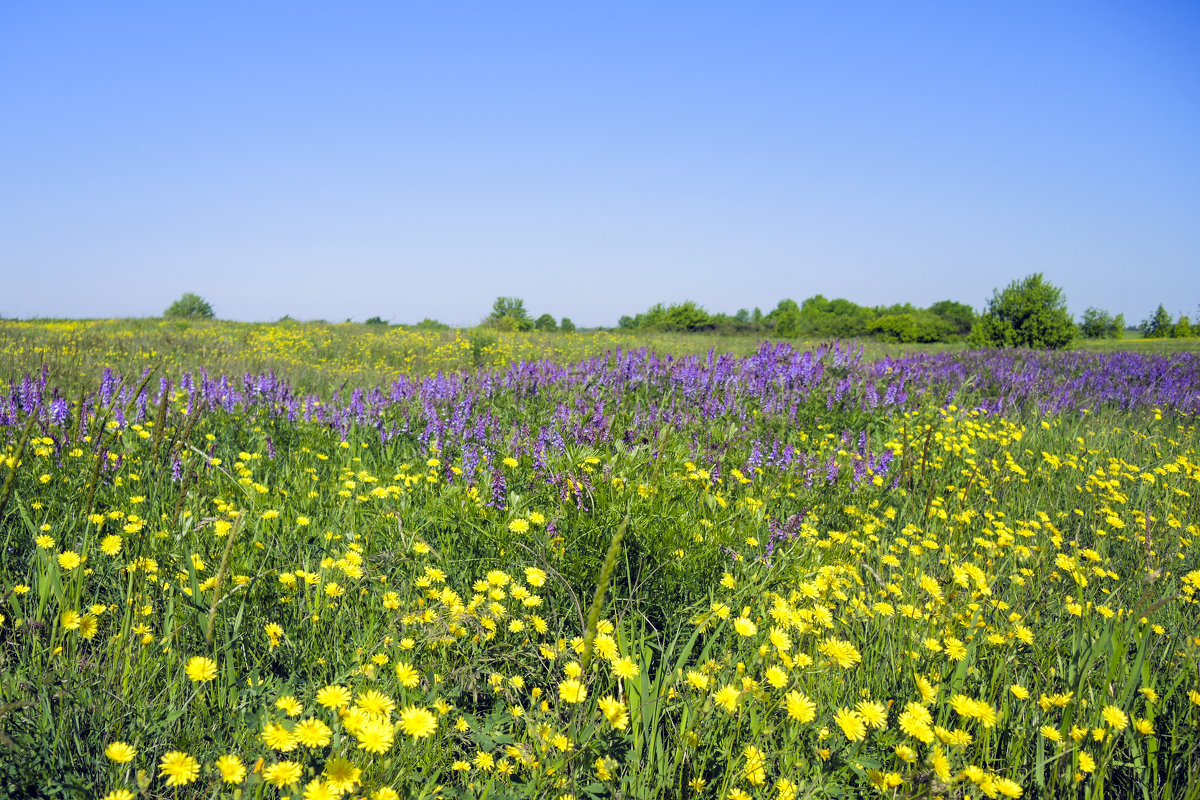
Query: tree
point(960, 315)
point(1159, 326)
point(189, 306)
point(376, 321)
point(545, 323)
point(1183, 328)
point(508, 313)
point(1028, 313)
point(1099, 324)
point(566, 326)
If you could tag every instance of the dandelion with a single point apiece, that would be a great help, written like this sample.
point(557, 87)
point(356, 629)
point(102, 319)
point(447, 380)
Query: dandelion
point(376, 703)
point(1117, 719)
point(1019, 692)
point(111, 545)
point(1051, 733)
point(312, 732)
point(874, 714)
point(333, 697)
point(417, 722)
point(776, 677)
point(118, 794)
point(341, 774)
point(800, 708)
point(1086, 762)
point(231, 768)
point(289, 706)
point(845, 654)
point(179, 768)
point(519, 526)
point(120, 752)
point(375, 736)
point(755, 769)
point(1143, 726)
point(279, 738)
point(614, 711)
point(572, 691)
point(45, 542)
point(316, 790)
point(282, 773)
point(69, 560)
point(201, 669)
point(851, 723)
point(625, 668)
point(744, 626)
point(727, 698)
point(780, 640)
point(407, 675)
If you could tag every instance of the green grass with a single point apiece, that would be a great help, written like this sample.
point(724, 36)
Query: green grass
point(1051, 557)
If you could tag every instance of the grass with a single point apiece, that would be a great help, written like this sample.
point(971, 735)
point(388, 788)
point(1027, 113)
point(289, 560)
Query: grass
point(619, 584)
point(319, 357)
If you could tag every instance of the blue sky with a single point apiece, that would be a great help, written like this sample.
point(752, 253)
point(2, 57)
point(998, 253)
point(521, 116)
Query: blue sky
point(417, 160)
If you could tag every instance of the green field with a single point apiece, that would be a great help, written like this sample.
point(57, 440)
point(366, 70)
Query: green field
point(775, 574)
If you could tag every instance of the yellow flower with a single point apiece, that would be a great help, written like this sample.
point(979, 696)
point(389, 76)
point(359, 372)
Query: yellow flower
point(45, 542)
point(572, 691)
point(407, 675)
point(1143, 726)
point(1117, 719)
point(69, 560)
point(874, 714)
point(755, 769)
point(418, 722)
point(232, 769)
point(282, 773)
point(376, 703)
point(727, 698)
point(1051, 733)
point(800, 708)
point(776, 676)
point(71, 620)
point(201, 669)
point(312, 732)
point(179, 768)
point(851, 723)
point(519, 526)
point(1019, 691)
point(111, 545)
point(289, 706)
point(614, 712)
point(118, 794)
point(1086, 762)
point(625, 668)
point(277, 737)
point(745, 626)
point(120, 752)
point(844, 653)
point(333, 697)
point(341, 774)
point(375, 736)
point(535, 577)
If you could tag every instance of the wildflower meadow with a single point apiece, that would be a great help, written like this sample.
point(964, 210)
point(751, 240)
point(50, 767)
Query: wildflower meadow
point(790, 573)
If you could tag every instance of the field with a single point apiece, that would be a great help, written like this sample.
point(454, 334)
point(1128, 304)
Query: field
point(341, 562)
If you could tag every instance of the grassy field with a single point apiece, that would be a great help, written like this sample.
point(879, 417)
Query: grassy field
point(321, 358)
point(774, 574)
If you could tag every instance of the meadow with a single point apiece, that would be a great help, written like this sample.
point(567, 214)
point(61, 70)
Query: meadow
point(295, 566)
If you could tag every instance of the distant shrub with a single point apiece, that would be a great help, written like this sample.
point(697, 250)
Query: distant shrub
point(189, 306)
point(376, 321)
point(1099, 324)
point(1027, 313)
point(566, 326)
point(545, 323)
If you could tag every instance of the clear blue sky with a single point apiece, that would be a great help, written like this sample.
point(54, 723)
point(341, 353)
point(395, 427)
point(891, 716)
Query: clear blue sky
point(409, 160)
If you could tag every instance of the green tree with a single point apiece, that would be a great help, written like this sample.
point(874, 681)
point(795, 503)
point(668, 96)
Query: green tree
point(960, 316)
point(189, 306)
point(1099, 324)
point(1159, 326)
point(508, 313)
point(1183, 328)
point(1028, 313)
point(545, 323)
point(376, 321)
point(566, 326)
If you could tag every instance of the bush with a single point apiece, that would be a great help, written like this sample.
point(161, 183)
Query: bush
point(376, 321)
point(566, 326)
point(190, 306)
point(1028, 313)
point(1099, 324)
point(545, 323)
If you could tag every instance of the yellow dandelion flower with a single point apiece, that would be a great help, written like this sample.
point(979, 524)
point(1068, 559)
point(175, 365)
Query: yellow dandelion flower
point(417, 722)
point(231, 768)
point(201, 669)
point(179, 768)
point(120, 752)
